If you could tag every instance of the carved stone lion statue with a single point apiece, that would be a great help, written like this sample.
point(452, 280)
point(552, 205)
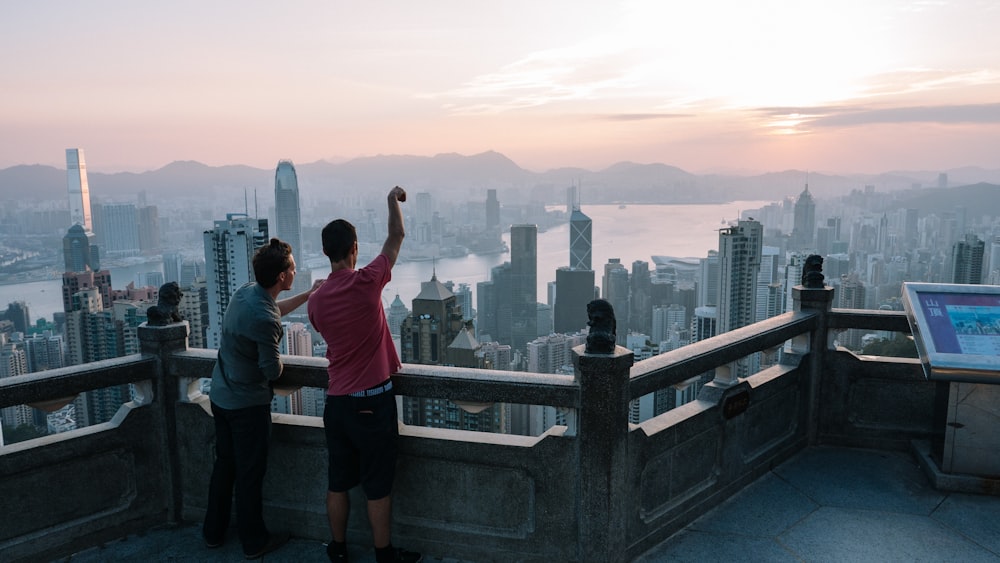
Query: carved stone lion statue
point(812, 272)
point(603, 327)
point(165, 310)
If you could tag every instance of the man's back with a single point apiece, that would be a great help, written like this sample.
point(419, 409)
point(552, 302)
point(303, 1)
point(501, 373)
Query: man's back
point(347, 311)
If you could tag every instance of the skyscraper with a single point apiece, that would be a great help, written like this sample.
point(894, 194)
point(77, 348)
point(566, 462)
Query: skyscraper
point(574, 289)
point(804, 226)
point(229, 250)
point(739, 265)
point(580, 240)
point(574, 286)
point(615, 290)
point(79, 190)
point(967, 260)
point(524, 285)
point(640, 317)
point(119, 228)
point(288, 221)
point(79, 251)
point(492, 210)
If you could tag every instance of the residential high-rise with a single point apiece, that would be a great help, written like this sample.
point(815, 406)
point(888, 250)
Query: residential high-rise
point(288, 222)
point(524, 285)
point(78, 189)
point(194, 309)
point(708, 282)
point(45, 351)
point(766, 277)
point(739, 266)
point(851, 294)
point(640, 317)
point(804, 225)
point(74, 282)
point(615, 290)
point(190, 270)
point(172, 266)
point(993, 278)
point(229, 250)
point(967, 260)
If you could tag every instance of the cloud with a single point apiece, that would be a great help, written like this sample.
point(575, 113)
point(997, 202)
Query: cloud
point(944, 114)
point(643, 116)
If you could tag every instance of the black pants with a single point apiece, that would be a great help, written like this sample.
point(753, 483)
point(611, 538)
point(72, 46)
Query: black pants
point(241, 440)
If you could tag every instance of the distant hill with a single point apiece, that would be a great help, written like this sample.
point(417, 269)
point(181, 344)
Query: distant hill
point(468, 176)
point(978, 199)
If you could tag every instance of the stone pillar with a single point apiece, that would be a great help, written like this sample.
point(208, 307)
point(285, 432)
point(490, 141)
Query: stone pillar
point(812, 347)
point(161, 341)
point(603, 452)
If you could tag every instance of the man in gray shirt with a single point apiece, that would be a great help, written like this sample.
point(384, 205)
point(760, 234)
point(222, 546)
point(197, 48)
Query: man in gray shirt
point(248, 363)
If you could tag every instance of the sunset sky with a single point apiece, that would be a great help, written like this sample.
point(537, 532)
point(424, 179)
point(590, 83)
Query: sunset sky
point(707, 85)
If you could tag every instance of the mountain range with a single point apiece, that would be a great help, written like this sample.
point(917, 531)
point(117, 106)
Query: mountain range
point(468, 177)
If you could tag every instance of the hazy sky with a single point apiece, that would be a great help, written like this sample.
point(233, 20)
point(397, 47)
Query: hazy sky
point(845, 85)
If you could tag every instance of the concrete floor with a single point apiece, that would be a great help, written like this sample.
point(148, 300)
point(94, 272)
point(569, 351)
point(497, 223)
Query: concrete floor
point(825, 504)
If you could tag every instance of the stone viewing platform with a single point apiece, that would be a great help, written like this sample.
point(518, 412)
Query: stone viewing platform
point(826, 456)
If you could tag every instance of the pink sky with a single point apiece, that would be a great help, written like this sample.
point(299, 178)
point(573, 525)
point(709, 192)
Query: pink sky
point(848, 86)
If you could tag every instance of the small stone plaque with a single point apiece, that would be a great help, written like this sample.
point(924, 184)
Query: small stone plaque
point(736, 404)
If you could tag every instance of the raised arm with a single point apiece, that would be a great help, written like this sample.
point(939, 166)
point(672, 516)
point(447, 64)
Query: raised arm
point(394, 240)
point(289, 304)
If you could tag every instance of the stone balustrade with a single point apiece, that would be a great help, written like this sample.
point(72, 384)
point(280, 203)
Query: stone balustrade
point(597, 489)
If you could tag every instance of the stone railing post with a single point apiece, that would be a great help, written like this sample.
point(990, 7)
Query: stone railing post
point(163, 341)
point(603, 452)
point(813, 295)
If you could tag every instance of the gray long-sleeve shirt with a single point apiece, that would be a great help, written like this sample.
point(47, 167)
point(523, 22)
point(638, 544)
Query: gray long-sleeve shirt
point(249, 350)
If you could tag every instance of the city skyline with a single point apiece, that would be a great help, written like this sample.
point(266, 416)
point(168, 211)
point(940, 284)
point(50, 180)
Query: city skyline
point(716, 86)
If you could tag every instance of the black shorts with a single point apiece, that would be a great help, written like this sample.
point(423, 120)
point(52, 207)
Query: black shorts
point(361, 436)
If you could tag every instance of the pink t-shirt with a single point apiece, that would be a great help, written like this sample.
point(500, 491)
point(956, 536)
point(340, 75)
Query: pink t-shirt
point(347, 311)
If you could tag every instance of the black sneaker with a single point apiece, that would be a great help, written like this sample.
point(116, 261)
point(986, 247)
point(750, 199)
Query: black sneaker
point(337, 552)
point(275, 541)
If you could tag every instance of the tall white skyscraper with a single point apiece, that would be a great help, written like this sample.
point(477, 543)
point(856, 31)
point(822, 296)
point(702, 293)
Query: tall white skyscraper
point(79, 190)
point(229, 250)
point(288, 222)
point(287, 213)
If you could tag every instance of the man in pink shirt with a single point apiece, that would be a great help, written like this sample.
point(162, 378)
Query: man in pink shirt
point(360, 417)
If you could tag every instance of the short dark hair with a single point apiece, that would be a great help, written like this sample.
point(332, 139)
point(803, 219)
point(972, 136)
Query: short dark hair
point(339, 237)
point(270, 260)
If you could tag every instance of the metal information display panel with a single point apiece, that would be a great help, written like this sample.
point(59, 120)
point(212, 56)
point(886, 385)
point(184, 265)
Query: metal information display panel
point(956, 328)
